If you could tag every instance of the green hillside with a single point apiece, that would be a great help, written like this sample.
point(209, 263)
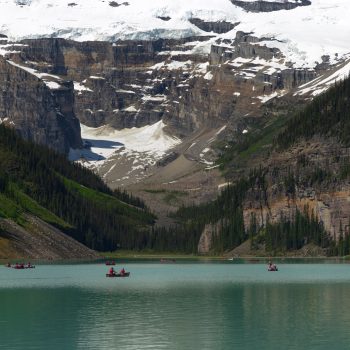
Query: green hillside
point(36, 180)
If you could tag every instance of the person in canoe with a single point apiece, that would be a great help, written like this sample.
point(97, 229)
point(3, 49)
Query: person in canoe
point(111, 271)
point(122, 272)
point(272, 267)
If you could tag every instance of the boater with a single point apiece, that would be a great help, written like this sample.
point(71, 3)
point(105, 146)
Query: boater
point(122, 271)
point(111, 271)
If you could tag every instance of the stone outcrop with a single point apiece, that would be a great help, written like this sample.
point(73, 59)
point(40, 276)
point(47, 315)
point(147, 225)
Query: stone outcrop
point(205, 241)
point(247, 46)
point(267, 6)
point(164, 18)
point(218, 27)
point(115, 4)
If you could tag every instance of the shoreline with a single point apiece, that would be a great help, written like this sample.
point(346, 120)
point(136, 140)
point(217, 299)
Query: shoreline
point(167, 255)
point(171, 258)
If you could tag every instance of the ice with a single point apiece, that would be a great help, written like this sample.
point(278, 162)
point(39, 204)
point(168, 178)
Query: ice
point(303, 34)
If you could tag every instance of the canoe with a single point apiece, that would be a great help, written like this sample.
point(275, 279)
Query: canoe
point(126, 274)
point(110, 263)
point(272, 269)
point(167, 261)
point(23, 267)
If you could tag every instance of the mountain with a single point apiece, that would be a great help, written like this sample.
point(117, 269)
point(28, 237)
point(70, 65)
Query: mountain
point(155, 96)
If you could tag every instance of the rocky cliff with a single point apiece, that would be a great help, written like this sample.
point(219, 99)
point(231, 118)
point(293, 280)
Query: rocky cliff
point(309, 176)
point(190, 83)
point(186, 82)
point(41, 112)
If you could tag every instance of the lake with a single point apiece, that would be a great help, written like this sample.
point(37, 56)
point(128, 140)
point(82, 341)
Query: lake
point(176, 306)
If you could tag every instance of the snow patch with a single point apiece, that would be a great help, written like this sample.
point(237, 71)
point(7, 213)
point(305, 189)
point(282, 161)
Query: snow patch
point(104, 142)
point(131, 109)
point(96, 78)
point(209, 76)
point(80, 87)
point(266, 98)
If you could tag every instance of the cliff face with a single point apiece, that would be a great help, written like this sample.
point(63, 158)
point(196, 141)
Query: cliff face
point(38, 112)
point(115, 84)
point(331, 208)
point(188, 83)
point(309, 178)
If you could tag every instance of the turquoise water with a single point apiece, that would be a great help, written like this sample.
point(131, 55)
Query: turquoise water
point(176, 306)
